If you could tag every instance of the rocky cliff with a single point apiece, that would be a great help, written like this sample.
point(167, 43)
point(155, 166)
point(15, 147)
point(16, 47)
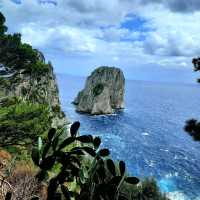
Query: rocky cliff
point(103, 92)
point(35, 88)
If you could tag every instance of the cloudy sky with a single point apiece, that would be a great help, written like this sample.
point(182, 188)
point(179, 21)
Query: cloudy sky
point(148, 39)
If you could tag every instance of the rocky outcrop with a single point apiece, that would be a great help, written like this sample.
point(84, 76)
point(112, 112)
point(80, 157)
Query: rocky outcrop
point(103, 92)
point(36, 88)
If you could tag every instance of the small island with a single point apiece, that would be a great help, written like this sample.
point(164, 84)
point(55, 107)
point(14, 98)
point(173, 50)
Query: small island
point(103, 92)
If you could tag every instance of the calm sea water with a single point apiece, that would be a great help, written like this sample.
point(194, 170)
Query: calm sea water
point(149, 133)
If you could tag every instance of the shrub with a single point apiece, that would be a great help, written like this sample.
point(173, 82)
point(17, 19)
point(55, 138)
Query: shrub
point(150, 190)
point(5, 158)
point(25, 185)
point(20, 124)
point(15, 55)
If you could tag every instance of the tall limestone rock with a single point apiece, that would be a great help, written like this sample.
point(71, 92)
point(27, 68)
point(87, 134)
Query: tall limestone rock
point(103, 92)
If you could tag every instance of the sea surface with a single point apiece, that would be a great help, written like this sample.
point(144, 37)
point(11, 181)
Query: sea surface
point(148, 134)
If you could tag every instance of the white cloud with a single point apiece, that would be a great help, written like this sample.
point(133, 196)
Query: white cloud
point(93, 28)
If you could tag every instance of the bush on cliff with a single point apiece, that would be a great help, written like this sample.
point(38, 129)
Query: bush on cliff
point(21, 122)
point(15, 55)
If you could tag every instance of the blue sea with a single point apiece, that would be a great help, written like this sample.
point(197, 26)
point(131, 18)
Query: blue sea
point(148, 134)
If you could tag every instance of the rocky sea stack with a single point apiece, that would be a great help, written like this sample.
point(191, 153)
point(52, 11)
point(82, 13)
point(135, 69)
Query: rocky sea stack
point(103, 92)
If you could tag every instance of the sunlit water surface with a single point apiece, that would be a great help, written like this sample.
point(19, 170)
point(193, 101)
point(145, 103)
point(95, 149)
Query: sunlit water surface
point(149, 133)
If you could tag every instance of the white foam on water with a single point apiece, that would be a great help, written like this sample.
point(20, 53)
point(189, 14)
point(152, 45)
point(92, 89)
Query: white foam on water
point(145, 133)
point(167, 185)
point(177, 195)
point(170, 175)
point(166, 150)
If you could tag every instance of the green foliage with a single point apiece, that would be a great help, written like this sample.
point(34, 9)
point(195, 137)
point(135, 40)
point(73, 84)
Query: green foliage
point(15, 55)
point(193, 126)
point(93, 180)
point(4, 83)
point(3, 28)
point(98, 89)
point(150, 190)
point(21, 122)
point(147, 189)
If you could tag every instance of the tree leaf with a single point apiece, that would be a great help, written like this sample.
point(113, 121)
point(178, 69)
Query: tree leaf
point(48, 163)
point(111, 167)
point(55, 143)
point(85, 138)
point(89, 150)
point(74, 128)
point(122, 167)
point(35, 156)
point(66, 142)
point(97, 142)
point(45, 150)
point(65, 192)
point(104, 152)
point(132, 180)
point(51, 133)
point(115, 180)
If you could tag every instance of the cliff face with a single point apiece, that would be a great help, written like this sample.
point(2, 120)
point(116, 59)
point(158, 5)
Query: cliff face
point(35, 88)
point(103, 92)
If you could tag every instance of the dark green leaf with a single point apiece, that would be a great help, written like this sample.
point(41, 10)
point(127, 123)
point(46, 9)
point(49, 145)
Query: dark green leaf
point(104, 152)
point(51, 133)
point(42, 175)
point(90, 151)
point(45, 150)
point(53, 185)
point(85, 138)
point(111, 167)
point(65, 192)
point(74, 128)
point(97, 142)
point(62, 176)
point(96, 178)
point(66, 142)
point(75, 160)
point(55, 143)
point(77, 151)
point(101, 173)
point(115, 180)
point(35, 156)
point(122, 167)
point(74, 169)
point(132, 180)
point(48, 163)
point(122, 198)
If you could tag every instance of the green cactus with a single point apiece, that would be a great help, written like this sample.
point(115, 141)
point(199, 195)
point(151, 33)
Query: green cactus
point(97, 181)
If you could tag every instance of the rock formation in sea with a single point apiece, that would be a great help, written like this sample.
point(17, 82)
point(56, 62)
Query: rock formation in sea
point(103, 92)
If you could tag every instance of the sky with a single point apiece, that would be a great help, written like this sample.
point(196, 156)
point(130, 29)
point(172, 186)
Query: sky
point(148, 39)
